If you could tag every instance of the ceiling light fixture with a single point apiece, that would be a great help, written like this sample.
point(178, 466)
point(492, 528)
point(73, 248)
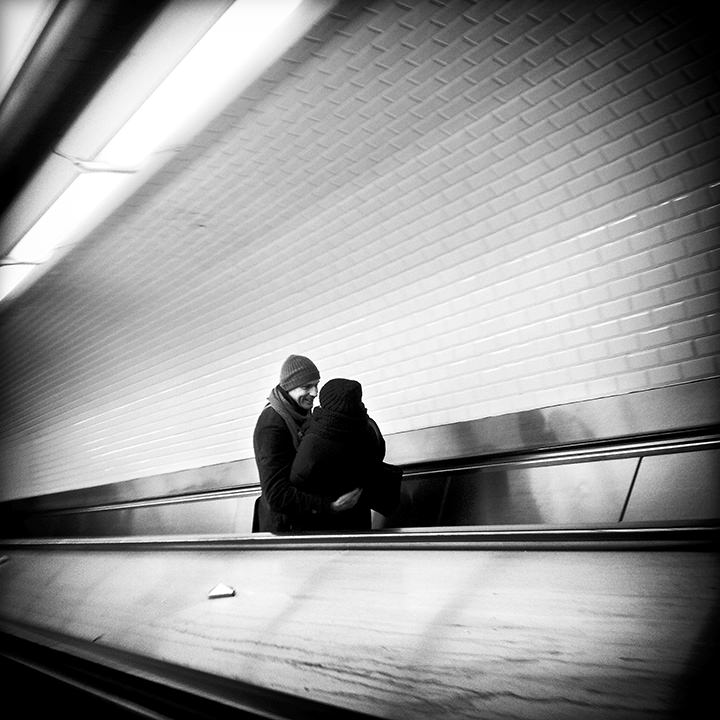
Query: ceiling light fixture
point(248, 36)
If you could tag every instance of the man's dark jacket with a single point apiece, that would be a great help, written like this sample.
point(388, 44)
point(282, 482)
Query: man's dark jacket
point(281, 504)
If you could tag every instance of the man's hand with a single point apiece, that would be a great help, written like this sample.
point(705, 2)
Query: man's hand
point(347, 501)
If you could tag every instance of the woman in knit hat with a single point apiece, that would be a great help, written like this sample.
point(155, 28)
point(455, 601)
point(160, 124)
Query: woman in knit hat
point(275, 441)
point(342, 449)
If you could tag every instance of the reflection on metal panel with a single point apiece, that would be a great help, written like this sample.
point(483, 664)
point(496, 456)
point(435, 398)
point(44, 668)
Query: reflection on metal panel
point(669, 409)
point(421, 500)
point(576, 493)
point(583, 492)
point(230, 514)
point(212, 478)
point(679, 486)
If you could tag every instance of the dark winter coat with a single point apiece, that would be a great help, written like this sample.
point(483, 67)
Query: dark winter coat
point(281, 503)
point(338, 453)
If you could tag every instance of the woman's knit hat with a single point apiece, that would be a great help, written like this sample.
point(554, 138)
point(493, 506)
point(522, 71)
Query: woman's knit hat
point(298, 370)
point(342, 396)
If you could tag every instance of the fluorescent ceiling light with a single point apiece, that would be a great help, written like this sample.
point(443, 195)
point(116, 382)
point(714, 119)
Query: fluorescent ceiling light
point(21, 22)
point(201, 77)
point(85, 197)
point(224, 61)
point(12, 276)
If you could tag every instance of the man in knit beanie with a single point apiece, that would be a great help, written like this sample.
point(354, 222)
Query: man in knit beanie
point(277, 435)
point(299, 378)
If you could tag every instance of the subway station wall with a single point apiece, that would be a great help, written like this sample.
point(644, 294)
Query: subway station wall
point(472, 208)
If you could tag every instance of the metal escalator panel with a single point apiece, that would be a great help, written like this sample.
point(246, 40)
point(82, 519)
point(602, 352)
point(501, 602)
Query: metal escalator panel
point(676, 486)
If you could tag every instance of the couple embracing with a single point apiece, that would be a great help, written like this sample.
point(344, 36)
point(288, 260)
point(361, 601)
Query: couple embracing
point(320, 469)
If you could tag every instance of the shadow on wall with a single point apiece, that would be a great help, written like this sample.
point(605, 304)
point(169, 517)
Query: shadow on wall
point(510, 493)
point(497, 495)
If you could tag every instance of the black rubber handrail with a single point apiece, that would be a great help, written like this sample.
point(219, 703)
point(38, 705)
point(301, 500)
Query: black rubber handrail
point(704, 535)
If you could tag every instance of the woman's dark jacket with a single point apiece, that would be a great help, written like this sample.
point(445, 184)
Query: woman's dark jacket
point(338, 453)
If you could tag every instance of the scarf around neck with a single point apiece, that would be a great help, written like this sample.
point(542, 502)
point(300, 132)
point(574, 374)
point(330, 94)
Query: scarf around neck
point(290, 412)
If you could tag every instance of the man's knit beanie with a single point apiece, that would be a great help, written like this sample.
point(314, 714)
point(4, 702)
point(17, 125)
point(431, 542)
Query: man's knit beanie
point(296, 371)
point(342, 396)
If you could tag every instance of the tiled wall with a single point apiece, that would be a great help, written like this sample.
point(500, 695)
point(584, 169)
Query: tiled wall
point(472, 208)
